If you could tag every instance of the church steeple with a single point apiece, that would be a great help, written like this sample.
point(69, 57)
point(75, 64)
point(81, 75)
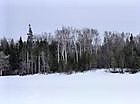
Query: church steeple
point(30, 34)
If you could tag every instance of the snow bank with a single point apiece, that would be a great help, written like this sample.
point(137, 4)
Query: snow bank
point(80, 88)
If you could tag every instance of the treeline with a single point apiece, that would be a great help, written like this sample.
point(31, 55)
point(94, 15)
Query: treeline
point(71, 50)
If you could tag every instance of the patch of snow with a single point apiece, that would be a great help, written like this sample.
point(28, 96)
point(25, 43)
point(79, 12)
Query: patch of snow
point(92, 87)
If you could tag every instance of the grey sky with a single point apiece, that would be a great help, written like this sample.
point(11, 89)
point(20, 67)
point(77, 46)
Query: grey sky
point(47, 15)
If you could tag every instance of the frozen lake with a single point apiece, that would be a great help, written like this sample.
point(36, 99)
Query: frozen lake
point(81, 88)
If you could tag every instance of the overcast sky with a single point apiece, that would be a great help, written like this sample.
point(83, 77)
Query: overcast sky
point(48, 15)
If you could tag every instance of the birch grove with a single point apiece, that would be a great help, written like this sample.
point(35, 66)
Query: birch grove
point(70, 49)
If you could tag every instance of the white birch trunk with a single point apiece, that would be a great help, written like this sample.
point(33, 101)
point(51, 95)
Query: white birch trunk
point(80, 51)
point(0, 72)
point(62, 53)
point(65, 55)
point(76, 53)
point(58, 53)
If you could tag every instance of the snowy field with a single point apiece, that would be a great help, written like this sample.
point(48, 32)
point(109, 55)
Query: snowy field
point(81, 88)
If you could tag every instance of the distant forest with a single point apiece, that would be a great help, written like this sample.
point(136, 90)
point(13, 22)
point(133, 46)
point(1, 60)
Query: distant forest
point(70, 50)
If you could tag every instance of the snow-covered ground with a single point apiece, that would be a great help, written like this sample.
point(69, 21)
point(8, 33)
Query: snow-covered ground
point(81, 88)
